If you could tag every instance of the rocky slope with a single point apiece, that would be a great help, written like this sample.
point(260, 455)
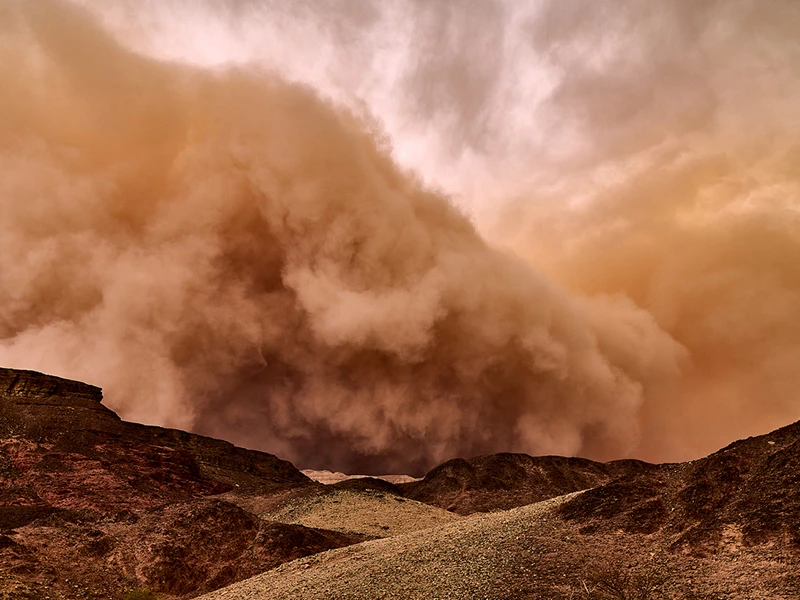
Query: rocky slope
point(531, 553)
point(751, 487)
point(372, 512)
point(722, 527)
point(91, 506)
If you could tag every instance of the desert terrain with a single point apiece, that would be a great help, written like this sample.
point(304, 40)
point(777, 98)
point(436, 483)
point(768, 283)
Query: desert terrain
point(95, 507)
point(369, 299)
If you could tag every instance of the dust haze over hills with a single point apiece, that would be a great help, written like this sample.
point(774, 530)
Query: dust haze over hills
point(229, 251)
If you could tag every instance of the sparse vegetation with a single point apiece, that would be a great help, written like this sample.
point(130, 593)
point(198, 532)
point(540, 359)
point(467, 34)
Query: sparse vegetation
point(140, 594)
point(613, 582)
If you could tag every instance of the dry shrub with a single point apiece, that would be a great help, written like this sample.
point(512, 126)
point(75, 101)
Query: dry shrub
point(140, 594)
point(612, 582)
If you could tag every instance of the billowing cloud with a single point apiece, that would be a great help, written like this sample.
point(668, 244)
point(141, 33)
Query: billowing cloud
point(234, 250)
point(684, 187)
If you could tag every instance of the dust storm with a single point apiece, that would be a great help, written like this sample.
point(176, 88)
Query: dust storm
point(232, 252)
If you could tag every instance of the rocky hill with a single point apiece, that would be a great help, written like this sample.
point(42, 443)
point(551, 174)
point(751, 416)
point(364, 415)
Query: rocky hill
point(94, 507)
point(751, 487)
point(503, 481)
point(724, 527)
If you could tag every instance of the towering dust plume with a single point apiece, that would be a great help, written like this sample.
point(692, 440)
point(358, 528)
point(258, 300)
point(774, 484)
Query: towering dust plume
point(225, 251)
point(685, 192)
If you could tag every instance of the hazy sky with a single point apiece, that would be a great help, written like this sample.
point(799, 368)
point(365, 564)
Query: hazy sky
point(375, 235)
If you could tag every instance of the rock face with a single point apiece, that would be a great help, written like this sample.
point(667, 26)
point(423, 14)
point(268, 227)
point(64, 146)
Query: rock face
point(38, 406)
point(30, 387)
point(91, 505)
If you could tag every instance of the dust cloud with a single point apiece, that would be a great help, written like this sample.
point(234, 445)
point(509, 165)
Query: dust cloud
point(685, 197)
point(229, 252)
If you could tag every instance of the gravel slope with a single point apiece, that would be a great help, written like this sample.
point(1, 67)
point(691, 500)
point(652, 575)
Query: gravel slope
point(373, 513)
point(470, 558)
point(528, 553)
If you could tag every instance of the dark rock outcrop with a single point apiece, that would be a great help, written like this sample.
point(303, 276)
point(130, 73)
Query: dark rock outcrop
point(368, 484)
point(30, 387)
